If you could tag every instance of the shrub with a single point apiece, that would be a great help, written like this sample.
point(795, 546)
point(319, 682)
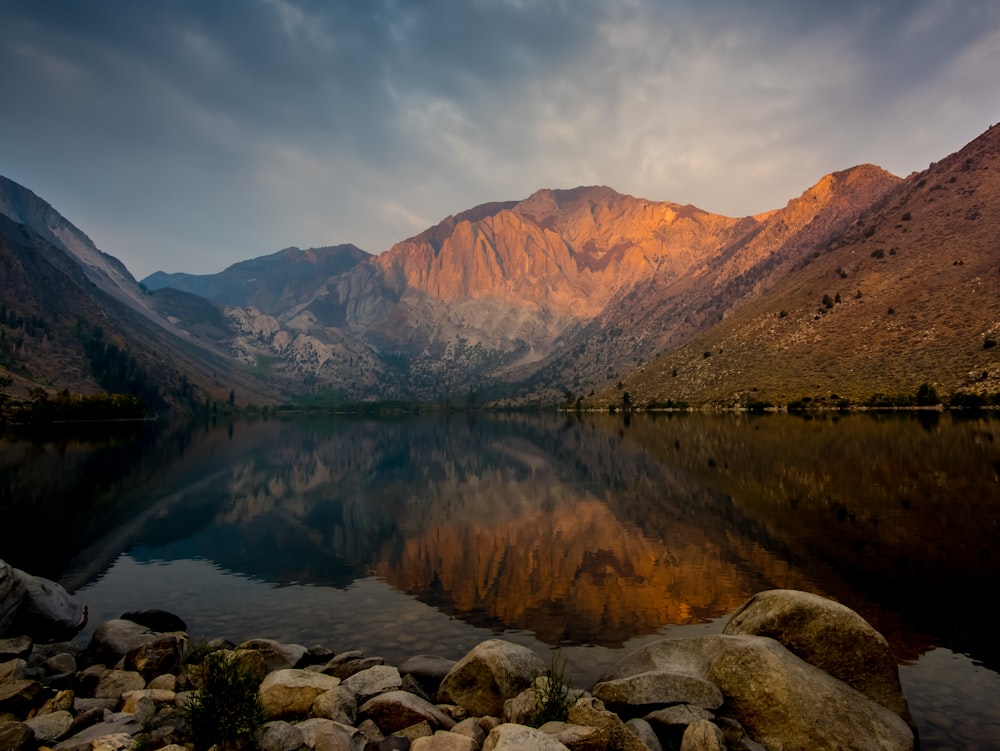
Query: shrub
point(989, 343)
point(552, 692)
point(927, 396)
point(878, 253)
point(227, 712)
point(827, 301)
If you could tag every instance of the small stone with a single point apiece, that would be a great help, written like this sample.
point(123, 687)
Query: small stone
point(88, 679)
point(395, 710)
point(277, 656)
point(327, 735)
point(115, 742)
point(166, 682)
point(576, 737)
point(644, 731)
point(60, 702)
point(677, 718)
point(338, 704)
point(470, 727)
point(161, 654)
point(370, 730)
point(420, 729)
point(13, 670)
point(443, 740)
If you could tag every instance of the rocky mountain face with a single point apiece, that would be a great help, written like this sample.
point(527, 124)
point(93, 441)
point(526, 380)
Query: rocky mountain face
point(907, 294)
point(72, 317)
point(559, 295)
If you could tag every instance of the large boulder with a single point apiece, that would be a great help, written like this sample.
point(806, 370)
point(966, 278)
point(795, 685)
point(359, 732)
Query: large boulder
point(11, 594)
point(47, 611)
point(375, 680)
point(658, 687)
point(494, 671)
point(828, 635)
point(784, 702)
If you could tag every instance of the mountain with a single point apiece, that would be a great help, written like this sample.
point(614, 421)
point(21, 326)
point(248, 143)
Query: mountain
point(269, 283)
point(908, 294)
point(72, 317)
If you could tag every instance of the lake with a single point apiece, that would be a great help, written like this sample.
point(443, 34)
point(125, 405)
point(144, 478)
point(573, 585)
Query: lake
point(597, 534)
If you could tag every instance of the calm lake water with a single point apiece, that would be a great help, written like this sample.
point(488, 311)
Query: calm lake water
point(596, 534)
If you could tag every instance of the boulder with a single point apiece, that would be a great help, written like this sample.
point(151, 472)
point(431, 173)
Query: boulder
point(828, 635)
point(62, 701)
point(395, 710)
point(494, 671)
point(375, 680)
point(114, 683)
point(114, 639)
point(86, 740)
point(47, 611)
point(658, 687)
point(471, 728)
point(61, 662)
point(344, 667)
point(50, 727)
point(337, 704)
point(428, 670)
point(444, 740)
point(576, 737)
point(703, 735)
point(156, 620)
point(591, 712)
point(16, 736)
point(161, 654)
point(327, 735)
point(644, 731)
point(11, 595)
point(673, 721)
point(114, 742)
point(784, 702)
point(20, 697)
point(291, 692)
point(277, 656)
point(13, 670)
point(509, 737)
point(278, 735)
point(18, 647)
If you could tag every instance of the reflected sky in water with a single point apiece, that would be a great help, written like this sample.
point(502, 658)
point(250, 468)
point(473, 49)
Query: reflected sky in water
point(430, 534)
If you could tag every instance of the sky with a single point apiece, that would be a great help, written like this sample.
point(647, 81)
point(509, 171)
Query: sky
point(186, 135)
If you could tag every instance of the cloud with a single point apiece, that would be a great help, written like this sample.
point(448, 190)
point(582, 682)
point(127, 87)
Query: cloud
point(188, 135)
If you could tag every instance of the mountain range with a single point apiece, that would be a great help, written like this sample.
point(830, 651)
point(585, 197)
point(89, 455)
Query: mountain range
point(864, 284)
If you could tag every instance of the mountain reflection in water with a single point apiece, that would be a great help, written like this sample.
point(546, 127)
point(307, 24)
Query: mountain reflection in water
point(571, 531)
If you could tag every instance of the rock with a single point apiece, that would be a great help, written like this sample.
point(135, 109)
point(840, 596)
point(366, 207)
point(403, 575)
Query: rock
point(62, 662)
point(16, 736)
point(443, 740)
point(523, 708)
point(828, 635)
point(50, 727)
point(375, 680)
point(62, 701)
point(20, 697)
point(409, 683)
point(13, 670)
point(576, 737)
point(784, 702)
point(160, 654)
point(18, 647)
point(281, 736)
point(290, 692)
point(167, 682)
point(277, 656)
point(703, 735)
point(345, 668)
point(392, 743)
point(658, 687)
point(327, 735)
point(644, 731)
point(48, 611)
point(158, 697)
point(85, 739)
point(395, 710)
point(470, 727)
point(494, 671)
point(674, 720)
point(337, 704)
point(11, 595)
point(736, 737)
point(509, 737)
point(115, 742)
point(114, 683)
point(156, 620)
point(591, 712)
point(428, 670)
point(112, 640)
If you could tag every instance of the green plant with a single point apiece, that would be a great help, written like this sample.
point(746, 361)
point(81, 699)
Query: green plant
point(227, 711)
point(552, 692)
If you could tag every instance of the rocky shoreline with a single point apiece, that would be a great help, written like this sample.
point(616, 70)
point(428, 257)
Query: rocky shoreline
point(790, 671)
